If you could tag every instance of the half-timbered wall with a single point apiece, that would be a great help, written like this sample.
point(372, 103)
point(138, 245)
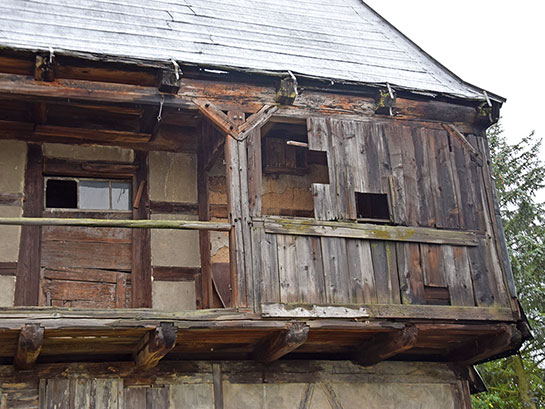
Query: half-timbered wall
point(242, 385)
point(434, 177)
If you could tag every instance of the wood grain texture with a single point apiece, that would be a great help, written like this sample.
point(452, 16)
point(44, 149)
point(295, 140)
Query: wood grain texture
point(281, 343)
point(28, 267)
point(29, 346)
point(155, 345)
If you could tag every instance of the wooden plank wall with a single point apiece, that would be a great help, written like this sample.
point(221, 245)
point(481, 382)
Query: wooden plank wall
point(432, 180)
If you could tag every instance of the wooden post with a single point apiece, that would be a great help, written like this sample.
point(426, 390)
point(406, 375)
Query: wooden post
point(155, 345)
point(141, 238)
point(29, 346)
point(204, 214)
point(281, 343)
point(27, 287)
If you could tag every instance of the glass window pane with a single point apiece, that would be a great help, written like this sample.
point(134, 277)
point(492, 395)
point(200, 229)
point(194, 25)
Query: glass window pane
point(121, 193)
point(94, 195)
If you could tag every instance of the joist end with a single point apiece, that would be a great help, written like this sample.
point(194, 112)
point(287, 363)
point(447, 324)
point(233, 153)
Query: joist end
point(155, 345)
point(281, 343)
point(29, 346)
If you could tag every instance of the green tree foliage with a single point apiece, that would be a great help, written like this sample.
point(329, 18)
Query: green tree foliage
point(519, 172)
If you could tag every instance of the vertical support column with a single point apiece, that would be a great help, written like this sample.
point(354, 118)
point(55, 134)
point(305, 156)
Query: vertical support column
point(141, 238)
point(204, 213)
point(239, 215)
point(27, 286)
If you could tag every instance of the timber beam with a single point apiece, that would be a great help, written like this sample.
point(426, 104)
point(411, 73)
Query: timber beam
point(29, 346)
point(482, 348)
point(155, 345)
point(386, 345)
point(281, 343)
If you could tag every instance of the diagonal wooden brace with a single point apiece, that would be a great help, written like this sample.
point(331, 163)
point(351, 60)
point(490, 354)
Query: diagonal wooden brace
point(386, 345)
point(281, 343)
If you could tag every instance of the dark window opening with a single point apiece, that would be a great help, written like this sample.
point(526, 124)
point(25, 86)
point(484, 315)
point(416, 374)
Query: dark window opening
point(372, 206)
point(289, 170)
point(87, 194)
point(61, 194)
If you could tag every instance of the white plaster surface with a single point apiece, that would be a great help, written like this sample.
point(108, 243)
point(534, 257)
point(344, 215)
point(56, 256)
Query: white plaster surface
point(175, 247)
point(173, 295)
point(173, 177)
point(10, 235)
point(7, 291)
point(12, 166)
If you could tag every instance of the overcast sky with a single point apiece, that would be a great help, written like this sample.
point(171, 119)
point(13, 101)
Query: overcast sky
point(493, 44)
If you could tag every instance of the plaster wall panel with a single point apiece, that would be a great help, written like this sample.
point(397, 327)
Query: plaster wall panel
point(173, 295)
point(12, 166)
point(178, 248)
point(173, 177)
point(10, 235)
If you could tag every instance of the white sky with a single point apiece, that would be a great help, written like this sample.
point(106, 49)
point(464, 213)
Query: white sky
point(497, 45)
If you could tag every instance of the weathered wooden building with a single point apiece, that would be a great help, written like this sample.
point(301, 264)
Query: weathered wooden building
point(242, 204)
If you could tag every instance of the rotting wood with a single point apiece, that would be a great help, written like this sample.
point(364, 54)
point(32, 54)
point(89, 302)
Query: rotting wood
point(310, 227)
point(281, 343)
point(130, 224)
point(485, 347)
point(384, 346)
point(450, 128)
point(29, 346)
point(155, 345)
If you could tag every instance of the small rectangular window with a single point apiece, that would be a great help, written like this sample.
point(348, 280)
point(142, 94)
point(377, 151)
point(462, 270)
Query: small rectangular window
point(87, 194)
point(372, 206)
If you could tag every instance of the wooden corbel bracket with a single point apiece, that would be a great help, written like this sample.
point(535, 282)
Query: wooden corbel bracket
point(29, 346)
point(44, 68)
point(385, 101)
point(155, 345)
point(385, 345)
point(286, 93)
point(281, 343)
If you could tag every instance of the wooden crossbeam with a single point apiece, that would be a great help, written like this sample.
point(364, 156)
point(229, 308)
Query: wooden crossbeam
point(384, 346)
point(155, 345)
point(217, 117)
point(281, 343)
point(487, 346)
point(29, 346)
point(130, 224)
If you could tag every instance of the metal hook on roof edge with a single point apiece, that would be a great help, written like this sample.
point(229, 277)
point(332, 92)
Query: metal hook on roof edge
point(51, 55)
point(390, 90)
point(160, 108)
point(177, 69)
point(487, 98)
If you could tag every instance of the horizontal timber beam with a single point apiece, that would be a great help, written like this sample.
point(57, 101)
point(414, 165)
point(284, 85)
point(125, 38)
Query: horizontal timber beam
point(385, 345)
point(310, 227)
point(281, 343)
point(155, 345)
point(387, 311)
point(29, 346)
point(130, 224)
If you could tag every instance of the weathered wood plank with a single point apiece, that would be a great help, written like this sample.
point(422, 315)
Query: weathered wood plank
point(217, 380)
point(384, 258)
point(360, 267)
point(458, 275)
point(287, 270)
point(335, 261)
point(432, 265)
point(310, 227)
point(309, 270)
point(204, 214)
point(135, 398)
point(411, 276)
point(426, 208)
point(269, 284)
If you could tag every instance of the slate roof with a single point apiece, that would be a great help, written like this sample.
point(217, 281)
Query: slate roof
point(341, 40)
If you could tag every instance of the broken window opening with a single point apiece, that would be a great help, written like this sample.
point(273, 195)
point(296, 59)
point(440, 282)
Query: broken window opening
point(87, 194)
point(289, 170)
point(372, 207)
